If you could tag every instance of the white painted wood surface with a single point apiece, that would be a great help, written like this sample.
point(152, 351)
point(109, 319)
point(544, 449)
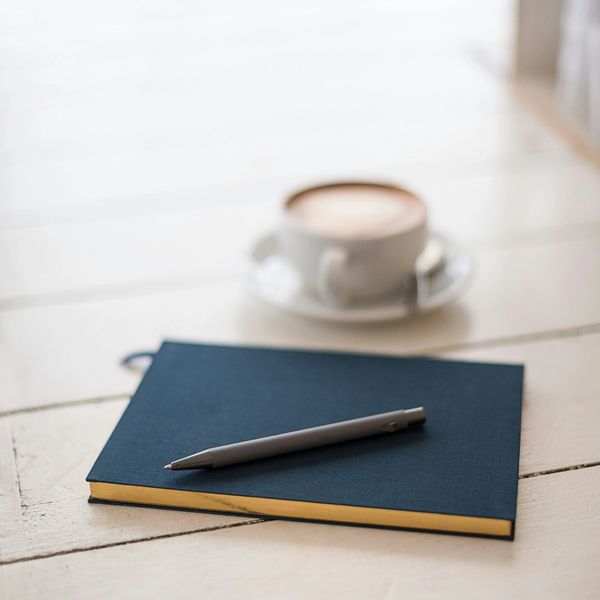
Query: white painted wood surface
point(86, 337)
point(554, 555)
point(142, 147)
point(163, 248)
point(49, 497)
point(47, 504)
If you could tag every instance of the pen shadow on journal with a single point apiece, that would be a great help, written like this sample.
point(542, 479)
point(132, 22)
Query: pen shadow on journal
point(342, 456)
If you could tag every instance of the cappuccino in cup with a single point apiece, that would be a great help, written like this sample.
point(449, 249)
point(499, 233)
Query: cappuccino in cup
point(356, 210)
point(351, 241)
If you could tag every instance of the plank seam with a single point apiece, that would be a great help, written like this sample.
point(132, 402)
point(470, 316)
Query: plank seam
point(133, 541)
point(560, 470)
point(536, 336)
point(116, 291)
point(134, 289)
point(64, 404)
point(17, 475)
point(233, 525)
point(539, 336)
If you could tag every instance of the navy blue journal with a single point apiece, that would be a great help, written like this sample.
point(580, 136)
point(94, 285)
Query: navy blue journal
point(456, 474)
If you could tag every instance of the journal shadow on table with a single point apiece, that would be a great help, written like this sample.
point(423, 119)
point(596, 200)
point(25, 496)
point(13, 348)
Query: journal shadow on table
point(377, 541)
point(401, 544)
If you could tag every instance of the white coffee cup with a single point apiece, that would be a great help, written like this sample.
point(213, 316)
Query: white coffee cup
point(353, 240)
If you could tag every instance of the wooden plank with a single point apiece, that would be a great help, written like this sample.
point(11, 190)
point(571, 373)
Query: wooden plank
point(182, 246)
point(48, 511)
point(71, 352)
point(12, 527)
point(554, 555)
point(54, 450)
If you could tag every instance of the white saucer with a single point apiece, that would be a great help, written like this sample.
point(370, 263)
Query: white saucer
point(438, 282)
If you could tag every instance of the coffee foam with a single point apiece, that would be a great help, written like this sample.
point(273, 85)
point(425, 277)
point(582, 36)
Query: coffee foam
point(357, 210)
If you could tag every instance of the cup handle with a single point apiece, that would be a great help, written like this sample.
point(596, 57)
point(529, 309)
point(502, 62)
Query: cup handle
point(332, 264)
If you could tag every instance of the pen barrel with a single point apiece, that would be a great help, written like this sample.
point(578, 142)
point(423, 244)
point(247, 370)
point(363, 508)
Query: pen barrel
point(315, 437)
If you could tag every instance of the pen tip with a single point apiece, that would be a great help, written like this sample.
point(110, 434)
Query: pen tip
point(168, 466)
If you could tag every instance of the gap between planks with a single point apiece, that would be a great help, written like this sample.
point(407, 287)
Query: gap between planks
point(560, 470)
point(539, 336)
point(547, 335)
point(134, 541)
point(257, 521)
point(13, 443)
point(132, 289)
point(554, 235)
point(65, 404)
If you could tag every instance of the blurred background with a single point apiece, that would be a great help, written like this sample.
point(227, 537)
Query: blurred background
point(116, 106)
point(112, 109)
point(145, 145)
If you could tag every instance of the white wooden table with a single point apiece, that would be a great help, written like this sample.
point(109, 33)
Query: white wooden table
point(144, 146)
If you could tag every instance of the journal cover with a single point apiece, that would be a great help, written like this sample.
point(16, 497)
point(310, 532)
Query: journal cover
point(456, 474)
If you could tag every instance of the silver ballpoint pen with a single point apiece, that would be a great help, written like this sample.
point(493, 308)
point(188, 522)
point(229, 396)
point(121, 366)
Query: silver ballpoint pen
point(303, 439)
